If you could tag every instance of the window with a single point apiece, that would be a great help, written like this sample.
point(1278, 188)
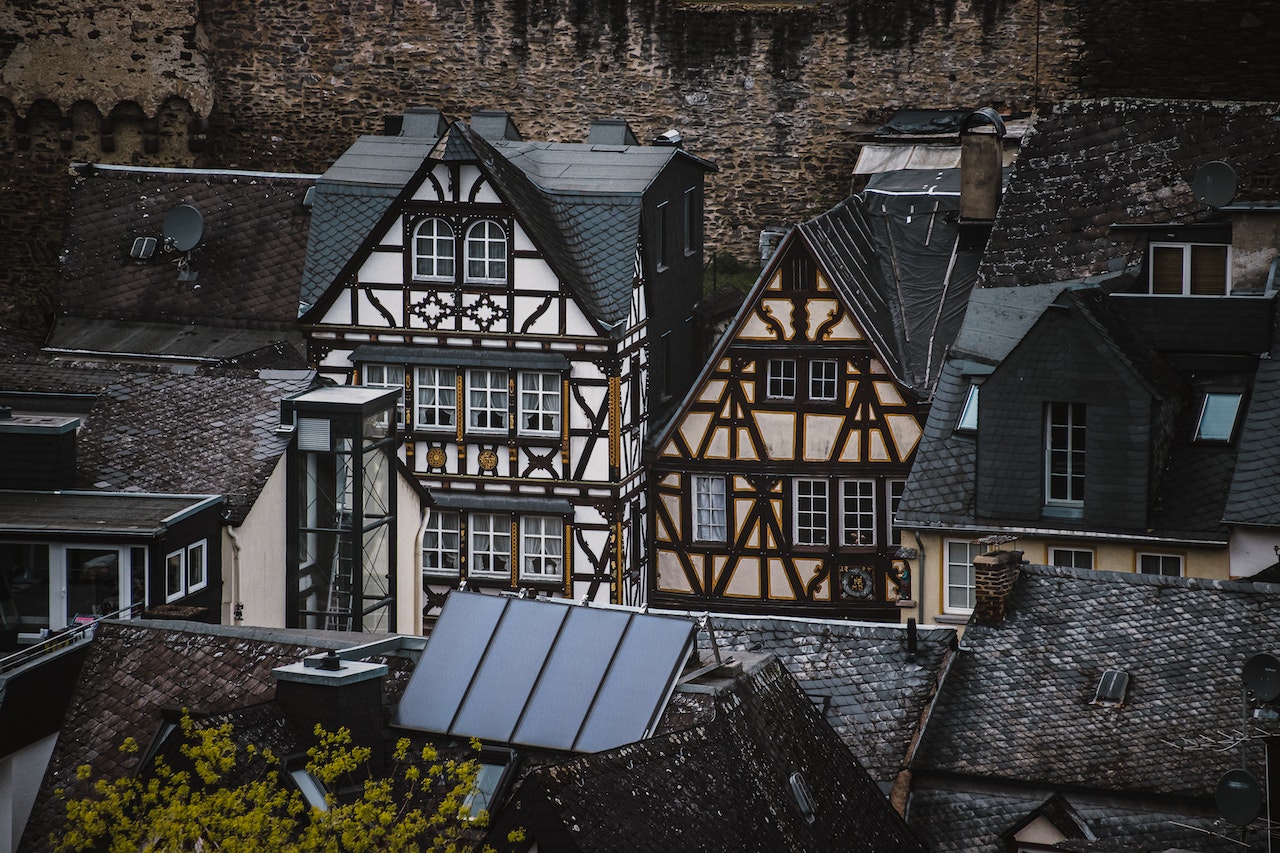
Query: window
point(540, 403)
point(197, 567)
point(799, 274)
point(440, 543)
point(1218, 415)
point(433, 250)
point(960, 595)
point(1064, 454)
point(896, 488)
point(709, 519)
point(968, 420)
point(1071, 557)
point(186, 570)
point(1196, 269)
point(1167, 565)
point(858, 512)
point(811, 512)
point(487, 400)
point(692, 221)
point(490, 544)
point(660, 237)
point(174, 571)
point(437, 397)
point(541, 547)
point(386, 376)
point(780, 379)
point(822, 379)
point(487, 252)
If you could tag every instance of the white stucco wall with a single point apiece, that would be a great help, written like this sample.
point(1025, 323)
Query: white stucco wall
point(258, 581)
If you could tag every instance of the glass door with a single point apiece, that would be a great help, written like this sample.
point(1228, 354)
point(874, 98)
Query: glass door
point(94, 579)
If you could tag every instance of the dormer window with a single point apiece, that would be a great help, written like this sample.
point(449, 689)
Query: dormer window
point(1064, 460)
point(1219, 412)
point(433, 250)
point(1190, 269)
point(487, 253)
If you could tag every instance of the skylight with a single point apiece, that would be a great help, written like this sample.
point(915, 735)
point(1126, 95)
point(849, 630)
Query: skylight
point(1112, 688)
point(1218, 416)
point(968, 420)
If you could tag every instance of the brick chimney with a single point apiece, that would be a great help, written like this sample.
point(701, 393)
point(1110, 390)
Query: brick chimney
point(994, 576)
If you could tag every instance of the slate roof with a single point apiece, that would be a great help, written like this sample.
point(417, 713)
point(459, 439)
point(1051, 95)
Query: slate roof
point(1254, 498)
point(78, 513)
point(892, 253)
point(248, 264)
point(1089, 165)
point(135, 670)
point(720, 786)
point(1016, 703)
point(877, 693)
point(183, 433)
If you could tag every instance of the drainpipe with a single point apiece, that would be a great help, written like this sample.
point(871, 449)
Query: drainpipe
point(237, 609)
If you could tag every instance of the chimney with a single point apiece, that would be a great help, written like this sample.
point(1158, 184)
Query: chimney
point(981, 175)
point(335, 693)
point(37, 452)
point(994, 576)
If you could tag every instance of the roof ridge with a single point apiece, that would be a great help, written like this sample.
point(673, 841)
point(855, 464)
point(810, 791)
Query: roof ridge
point(1132, 578)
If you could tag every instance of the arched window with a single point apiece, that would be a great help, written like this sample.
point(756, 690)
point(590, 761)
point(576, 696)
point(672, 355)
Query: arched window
point(433, 249)
point(487, 252)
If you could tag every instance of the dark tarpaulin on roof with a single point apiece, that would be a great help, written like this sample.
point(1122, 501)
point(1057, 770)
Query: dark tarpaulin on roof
point(925, 122)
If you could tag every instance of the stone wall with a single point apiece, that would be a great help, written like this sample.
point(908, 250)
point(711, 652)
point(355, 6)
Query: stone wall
point(775, 93)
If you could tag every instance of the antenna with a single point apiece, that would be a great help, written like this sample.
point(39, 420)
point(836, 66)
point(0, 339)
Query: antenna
point(1214, 184)
point(183, 228)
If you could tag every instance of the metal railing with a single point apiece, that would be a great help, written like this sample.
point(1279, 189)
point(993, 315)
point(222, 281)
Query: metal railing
point(63, 639)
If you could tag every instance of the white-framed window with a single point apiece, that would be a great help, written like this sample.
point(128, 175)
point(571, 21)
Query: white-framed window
point(959, 575)
point(487, 400)
point(812, 512)
point(1064, 454)
point(710, 521)
point(440, 543)
point(895, 489)
point(660, 237)
point(1166, 565)
point(386, 376)
point(175, 570)
point(540, 403)
point(487, 252)
point(1190, 269)
point(541, 547)
point(780, 379)
point(490, 544)
point(1219, 412)
point(822, 379)
point(436, 392)
point(968, 420)
point(433, 250)
point(858, 512)
point(197, 566)
point(1075, 558)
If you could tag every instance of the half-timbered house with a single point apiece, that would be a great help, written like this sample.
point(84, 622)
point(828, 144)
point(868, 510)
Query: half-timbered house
point(775, 482)
point(533, 301)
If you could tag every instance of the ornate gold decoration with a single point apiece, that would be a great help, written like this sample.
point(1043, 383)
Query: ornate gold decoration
point(488, 460)
point(435, 457)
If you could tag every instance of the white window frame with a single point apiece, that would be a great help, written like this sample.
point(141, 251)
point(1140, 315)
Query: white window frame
point(811, 513)
point(710, 508)
point(958, 575)
point(1067, 447)
point(1071, 562)
point(197, 569)
point(894, 490)
point(780, 379)
point(1161, 558)
point(540, 402)
point(437, 251)
point(488, 539)
point(541, 547)
point(968, 420)
point(441, 543)
point(384, 376)
point(486, 245)
point(435, 395)
point(824, 379)
point(494, 396)
point(858, 525)
point(1235, 401)
point(1188, 250)
point(175, 566)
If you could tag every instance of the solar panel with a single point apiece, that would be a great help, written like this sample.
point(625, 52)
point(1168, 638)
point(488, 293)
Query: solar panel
point(544, 674)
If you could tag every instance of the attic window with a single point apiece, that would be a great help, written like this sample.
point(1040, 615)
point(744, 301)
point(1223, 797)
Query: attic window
point(1218, 415)
point(968, 420)
point(1111, 688)
point(799, 274)
point(804, 800)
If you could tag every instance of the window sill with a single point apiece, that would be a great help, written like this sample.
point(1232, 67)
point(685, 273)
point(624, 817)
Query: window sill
point(953, 618)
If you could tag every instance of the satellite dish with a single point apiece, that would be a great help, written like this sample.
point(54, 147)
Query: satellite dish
point(1262, 676)
point(1214, 184)
point(183, 228)
point(1239, 797)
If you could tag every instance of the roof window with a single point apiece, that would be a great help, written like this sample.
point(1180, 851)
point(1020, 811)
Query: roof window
point(968, 420)
point(800, 793)
point(1218, 415)
point(1112, 688)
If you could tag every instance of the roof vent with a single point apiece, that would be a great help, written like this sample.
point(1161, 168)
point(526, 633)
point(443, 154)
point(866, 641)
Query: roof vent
point(1111, 688)
point(671, 137)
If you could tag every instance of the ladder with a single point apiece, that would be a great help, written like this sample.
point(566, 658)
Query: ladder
point(338, 611)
